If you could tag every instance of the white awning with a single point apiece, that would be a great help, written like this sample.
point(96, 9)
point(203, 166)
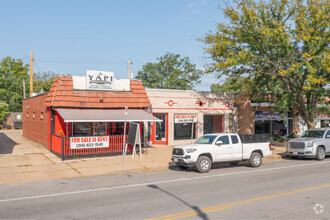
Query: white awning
point(105, 115)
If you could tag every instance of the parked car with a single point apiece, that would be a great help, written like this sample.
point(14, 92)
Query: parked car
point(313, 143)
point(222, 147)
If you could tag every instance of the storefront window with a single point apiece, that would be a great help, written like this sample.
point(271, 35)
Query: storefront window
point(325, 123)
point(100, 129)
point(185, 126)
point(262, 127)
point(267, 122)
point(82, 129)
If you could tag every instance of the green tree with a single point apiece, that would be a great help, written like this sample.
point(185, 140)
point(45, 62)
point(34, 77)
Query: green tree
point(43, 81)
point(3, 112)
point(232, 85)
point(281, 47)
point(12, 74)
point(170, 72)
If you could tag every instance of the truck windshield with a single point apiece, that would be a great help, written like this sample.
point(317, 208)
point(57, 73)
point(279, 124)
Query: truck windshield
point(207, 139)
point(313, 134)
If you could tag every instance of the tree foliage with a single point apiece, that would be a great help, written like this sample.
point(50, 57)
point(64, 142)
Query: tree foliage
point(232, 85)
point(3, 111)
point(170, 72)
point(43, 81)
point(12, 74)
point(280, 47)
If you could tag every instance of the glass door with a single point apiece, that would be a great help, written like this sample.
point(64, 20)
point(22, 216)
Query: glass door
point(160, 129)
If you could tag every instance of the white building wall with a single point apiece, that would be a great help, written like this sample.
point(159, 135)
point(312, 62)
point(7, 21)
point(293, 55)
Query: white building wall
point(187, 102)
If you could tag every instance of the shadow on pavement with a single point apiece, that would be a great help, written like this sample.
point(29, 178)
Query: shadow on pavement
point(220, 165)
point(197, 210)
point(6, 144)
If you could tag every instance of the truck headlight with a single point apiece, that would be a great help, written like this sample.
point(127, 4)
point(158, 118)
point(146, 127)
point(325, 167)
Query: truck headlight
point(190, 150)
point(310, 144)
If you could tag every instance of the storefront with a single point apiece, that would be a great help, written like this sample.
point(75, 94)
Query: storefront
point(268, 122)
point(187, 115)
point(87, 115)
point(322, 120)
point(260, 118)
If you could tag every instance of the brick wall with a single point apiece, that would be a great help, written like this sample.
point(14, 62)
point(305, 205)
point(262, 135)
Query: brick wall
point(35, 119)
point(245, 115)
point(9, 121)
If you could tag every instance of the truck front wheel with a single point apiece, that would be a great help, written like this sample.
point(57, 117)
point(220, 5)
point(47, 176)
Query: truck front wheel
point(320, 153)
point(203, 164)
point(255, 159)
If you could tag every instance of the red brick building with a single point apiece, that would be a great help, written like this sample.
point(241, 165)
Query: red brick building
point(71, 111)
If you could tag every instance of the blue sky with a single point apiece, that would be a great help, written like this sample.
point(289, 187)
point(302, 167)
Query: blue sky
point(69, 37)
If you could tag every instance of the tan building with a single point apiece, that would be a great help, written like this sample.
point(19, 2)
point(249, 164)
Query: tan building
point(187, 115)
point(260, 118)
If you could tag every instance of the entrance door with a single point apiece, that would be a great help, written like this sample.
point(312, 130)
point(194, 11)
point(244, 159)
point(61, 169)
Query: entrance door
point(160, 129)
point(213, 124)
point(223, 152)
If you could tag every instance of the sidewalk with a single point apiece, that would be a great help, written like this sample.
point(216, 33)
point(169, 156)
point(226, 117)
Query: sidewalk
point(29, 162)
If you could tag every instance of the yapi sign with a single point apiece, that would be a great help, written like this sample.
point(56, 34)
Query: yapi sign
point(89, 142)
point(99, 80)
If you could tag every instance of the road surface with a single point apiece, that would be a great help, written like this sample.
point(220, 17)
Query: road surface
point(281, 189)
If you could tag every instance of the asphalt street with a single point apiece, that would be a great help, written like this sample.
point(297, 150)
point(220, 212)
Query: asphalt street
point(280, 189)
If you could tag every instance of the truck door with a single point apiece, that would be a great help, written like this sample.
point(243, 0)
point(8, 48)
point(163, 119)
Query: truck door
point(223, 151)
point(327, 141)
point(236, 147)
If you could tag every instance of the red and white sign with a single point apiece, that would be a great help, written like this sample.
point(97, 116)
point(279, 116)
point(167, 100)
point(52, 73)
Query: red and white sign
point(185, 118)
point(322, 116)
point(89, 142)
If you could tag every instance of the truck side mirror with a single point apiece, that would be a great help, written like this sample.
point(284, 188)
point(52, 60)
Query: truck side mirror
point(218, 143)
point(328, 136)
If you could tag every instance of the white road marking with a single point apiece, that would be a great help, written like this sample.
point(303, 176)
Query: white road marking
point(159, 182)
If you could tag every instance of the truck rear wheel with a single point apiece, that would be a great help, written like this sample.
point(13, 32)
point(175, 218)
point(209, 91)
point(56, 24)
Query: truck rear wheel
point(255, 159)
point(320, 153)
point(203, 164)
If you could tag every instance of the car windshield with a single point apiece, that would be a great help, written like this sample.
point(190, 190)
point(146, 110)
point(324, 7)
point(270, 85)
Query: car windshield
point(207, 139)
point(313, 134)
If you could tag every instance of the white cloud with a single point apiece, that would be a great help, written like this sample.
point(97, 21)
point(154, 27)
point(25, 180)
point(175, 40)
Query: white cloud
point(194, 6)
point(190, 5)
point(204, 2)
point(195, 11)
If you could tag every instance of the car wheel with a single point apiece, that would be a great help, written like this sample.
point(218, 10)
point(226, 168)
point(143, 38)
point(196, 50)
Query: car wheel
point(233, 163)
point(255, 159)
point(203, 164)
point(320, 153)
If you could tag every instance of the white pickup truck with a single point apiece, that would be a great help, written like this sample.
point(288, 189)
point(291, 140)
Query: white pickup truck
point(222, 147)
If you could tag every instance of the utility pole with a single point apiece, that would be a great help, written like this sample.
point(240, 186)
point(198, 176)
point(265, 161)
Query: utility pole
point(129, 69)
point(31, 73)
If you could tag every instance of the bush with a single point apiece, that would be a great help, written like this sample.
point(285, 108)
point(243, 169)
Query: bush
point(277, 136)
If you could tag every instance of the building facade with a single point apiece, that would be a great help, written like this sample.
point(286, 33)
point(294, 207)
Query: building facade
point(78, 117)
point(187, 115)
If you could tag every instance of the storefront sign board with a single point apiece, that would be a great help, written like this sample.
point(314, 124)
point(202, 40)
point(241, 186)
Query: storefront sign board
point(268, 115)
point(89, 142)
point(99, 80)
point(322, 116)
point(184, 118)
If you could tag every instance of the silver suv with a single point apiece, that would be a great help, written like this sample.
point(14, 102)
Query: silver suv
point(313, 143)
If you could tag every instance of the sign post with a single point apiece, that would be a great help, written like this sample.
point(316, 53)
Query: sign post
point(124, 148)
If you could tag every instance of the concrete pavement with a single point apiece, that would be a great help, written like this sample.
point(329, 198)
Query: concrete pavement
point(22, 160)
